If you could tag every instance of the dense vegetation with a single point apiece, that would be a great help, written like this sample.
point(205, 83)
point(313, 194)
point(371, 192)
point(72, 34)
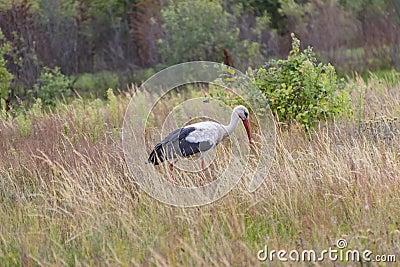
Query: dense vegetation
point(118, 42)
point(67, 198)
point(69, 68)
point(301, 89)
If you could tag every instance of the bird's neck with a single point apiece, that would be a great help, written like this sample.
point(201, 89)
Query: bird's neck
point(233, 124)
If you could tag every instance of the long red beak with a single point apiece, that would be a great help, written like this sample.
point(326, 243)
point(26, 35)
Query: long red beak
point(247, 126)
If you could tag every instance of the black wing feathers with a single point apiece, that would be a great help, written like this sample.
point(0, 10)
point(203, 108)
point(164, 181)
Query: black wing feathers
point(174, 143)
point(157, 155)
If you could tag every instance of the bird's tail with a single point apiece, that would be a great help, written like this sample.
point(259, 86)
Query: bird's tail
point(157, 155)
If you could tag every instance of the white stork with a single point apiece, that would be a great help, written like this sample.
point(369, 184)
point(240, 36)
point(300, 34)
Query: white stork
point(197, 138)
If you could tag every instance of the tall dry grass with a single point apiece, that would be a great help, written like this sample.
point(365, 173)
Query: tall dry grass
point(67, 197)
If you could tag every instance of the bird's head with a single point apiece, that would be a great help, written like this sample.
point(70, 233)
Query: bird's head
point(243, 114)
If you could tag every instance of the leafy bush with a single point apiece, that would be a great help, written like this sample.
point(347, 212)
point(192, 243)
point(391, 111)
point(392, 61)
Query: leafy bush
point(52, 85)
point(300, 89)
point(97, 83)
point(5, 75)
point(199, 30)
point(139, 76)
point(196, 30)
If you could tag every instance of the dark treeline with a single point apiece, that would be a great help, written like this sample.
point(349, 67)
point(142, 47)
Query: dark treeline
point(127, 37)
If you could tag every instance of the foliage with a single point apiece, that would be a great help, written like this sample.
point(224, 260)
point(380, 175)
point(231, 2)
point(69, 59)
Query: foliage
point(300, 89)
point(25, 118)
point(96, 82)
point(93, 36)
point(196, 30)
point(5, 76)
point(273, 7)
point(52, 85)
point(139, 76)
point(19, 24)
point(214, 31)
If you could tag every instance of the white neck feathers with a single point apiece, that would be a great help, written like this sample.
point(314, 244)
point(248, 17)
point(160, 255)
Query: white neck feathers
point(233, 123)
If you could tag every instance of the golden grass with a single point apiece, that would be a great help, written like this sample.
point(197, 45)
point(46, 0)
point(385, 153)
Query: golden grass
point(67, 197)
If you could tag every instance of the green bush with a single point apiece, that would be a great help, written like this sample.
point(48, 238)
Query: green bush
point(51, 86)
point(301, 89)
point(199, 30)
point(97, 83)
point(5, 76)
point(139, 76)
point(196, 30)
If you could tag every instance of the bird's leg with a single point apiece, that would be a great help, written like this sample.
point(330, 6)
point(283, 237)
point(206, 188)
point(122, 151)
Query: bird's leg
point(171, 171)
point(203, 173)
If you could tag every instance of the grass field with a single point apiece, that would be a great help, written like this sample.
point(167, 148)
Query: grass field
point(67, 197)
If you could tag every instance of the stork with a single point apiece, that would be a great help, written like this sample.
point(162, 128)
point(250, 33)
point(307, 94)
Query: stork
point(197, 138)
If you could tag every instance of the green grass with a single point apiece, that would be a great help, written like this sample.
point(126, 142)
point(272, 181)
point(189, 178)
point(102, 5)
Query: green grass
point(95, 85)
point(67, 198)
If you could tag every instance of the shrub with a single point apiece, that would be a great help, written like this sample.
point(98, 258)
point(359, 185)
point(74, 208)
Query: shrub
point(301, 89)
point(5, 76)
point(200, 30)
point(52, 85)
point(196, 30)
point(96, 83)
point(141, 75)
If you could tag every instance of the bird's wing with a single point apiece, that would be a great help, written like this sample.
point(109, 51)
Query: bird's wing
point(210, 132)
point(187, 141)
point(178, 134)
point(175, 143)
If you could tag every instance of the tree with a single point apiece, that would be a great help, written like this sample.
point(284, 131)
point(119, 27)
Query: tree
point(196, 30)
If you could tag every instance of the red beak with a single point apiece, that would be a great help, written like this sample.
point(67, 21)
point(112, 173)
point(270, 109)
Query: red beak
point(247, 126)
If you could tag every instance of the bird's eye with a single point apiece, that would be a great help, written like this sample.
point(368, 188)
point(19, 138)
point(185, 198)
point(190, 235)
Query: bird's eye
point(246, 115)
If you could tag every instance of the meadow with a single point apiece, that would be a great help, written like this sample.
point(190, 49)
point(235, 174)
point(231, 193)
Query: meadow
point(67, 197)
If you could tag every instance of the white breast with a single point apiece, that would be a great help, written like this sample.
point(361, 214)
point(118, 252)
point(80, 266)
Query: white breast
point(208, 131)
